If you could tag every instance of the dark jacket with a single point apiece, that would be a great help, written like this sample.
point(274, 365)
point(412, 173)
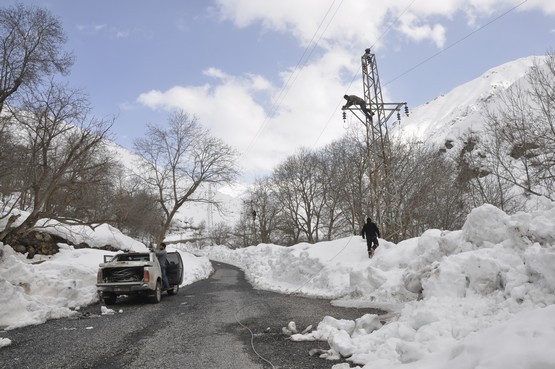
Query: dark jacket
point(162, 257)
point(370, 231)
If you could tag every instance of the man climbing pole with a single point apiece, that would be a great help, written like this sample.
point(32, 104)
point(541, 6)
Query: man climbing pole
point(355, 100)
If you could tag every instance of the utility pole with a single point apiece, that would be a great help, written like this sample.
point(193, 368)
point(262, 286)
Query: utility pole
point(375, 117)
point(210, 209)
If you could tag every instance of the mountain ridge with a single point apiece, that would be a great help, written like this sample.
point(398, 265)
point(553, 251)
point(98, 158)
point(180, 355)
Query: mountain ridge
point(452, 116)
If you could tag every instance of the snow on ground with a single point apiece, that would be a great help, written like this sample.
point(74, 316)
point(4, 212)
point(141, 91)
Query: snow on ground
point(50, 287)
point(480, 297)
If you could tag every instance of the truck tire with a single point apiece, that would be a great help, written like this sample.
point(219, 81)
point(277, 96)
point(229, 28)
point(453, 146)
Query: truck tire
point(174, 290)
point(156, 295)
point(109, 298)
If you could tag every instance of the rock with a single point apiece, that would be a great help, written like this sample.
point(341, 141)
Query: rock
point(20, 248)
point(82, 245)
point(31, 252)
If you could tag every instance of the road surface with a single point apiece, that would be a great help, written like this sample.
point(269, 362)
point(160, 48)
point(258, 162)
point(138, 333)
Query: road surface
point(207, 325)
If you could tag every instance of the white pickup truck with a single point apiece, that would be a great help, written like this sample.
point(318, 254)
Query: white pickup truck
point(137, 273)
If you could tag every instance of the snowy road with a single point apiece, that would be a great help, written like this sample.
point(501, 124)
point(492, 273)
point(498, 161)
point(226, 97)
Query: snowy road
point(198, 329)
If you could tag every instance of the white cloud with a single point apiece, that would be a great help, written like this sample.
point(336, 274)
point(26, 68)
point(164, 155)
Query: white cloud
point(122, 33)
point(308, 20)
point(360, 22)
point(269, 120)
point(411, 27)
point(546, 6)
point(227, 108)
point(91, 28)
point(264, 122)
point(111, 31)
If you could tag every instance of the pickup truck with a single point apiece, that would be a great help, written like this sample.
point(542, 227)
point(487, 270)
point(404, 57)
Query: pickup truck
point(137, 273)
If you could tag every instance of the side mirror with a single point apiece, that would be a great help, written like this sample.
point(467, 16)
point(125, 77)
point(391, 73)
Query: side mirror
point(108, 258)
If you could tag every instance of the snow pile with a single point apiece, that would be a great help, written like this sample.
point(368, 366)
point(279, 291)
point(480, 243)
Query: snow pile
point(99, 236)
point(34, 293)
point(50, 287)
point(466, 299)
point(195, 268)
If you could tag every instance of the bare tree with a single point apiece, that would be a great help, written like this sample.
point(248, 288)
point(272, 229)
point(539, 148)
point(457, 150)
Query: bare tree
point(180, 159)
point(135, 210)
point(327, 170)
point(220, 234)
point(519, 147)
point(243, 235)
point(348, 193)
point(427, 194)
point(300, 193)
point(542, 88)
point(64, 157)
point(262, 204)
point(11, 167)
point(31, 47)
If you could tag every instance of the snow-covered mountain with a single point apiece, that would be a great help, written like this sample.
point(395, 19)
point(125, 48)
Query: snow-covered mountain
point(445, 121)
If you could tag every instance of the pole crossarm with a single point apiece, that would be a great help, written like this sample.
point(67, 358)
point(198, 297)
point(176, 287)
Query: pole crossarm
point(381, 112)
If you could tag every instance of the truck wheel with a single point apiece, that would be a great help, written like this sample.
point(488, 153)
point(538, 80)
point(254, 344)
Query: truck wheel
point(156, 295)
point(109, 298)
point(174, 290)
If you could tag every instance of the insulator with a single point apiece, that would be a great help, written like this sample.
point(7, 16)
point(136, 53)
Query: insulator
point(344, 115)
point(398, 116)
point(407, 110)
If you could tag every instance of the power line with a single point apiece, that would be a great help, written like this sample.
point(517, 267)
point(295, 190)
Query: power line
point(287, 86)
point(391, 24)
point(425, 60)
point(456, 42)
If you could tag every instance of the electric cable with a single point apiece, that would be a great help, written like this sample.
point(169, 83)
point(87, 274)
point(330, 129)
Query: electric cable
point(252, 338)
point(456, 42)
point(321, 270)
point(356, 72)
point(287, 86)
point(287, 294)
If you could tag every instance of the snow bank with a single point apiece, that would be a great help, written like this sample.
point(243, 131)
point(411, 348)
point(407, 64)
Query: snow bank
point(34, 293)
point(482, 296)
point(59, 285)
point(453, 294)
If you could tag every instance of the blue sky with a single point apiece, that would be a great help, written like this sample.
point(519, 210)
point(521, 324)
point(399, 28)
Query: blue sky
point(232, 63)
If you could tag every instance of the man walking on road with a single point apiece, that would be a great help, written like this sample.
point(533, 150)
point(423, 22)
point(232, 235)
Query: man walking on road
point(371, 232)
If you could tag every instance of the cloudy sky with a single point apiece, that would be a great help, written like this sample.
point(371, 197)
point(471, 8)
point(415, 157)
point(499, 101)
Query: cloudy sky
point(268, 76)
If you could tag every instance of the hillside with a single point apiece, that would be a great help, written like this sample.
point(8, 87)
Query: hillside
point(450, 117)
